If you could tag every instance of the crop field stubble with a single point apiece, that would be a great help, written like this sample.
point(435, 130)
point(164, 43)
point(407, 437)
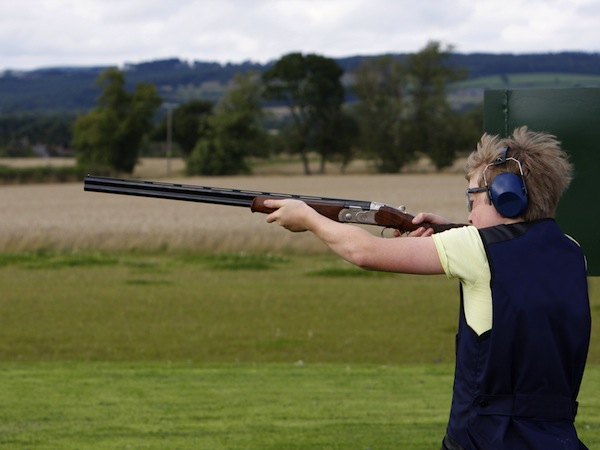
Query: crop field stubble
point(64, 217)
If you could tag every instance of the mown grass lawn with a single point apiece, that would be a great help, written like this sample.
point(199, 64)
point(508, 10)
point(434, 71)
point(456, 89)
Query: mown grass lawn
point(159, 405)
point(229, 351)
point(266, 406)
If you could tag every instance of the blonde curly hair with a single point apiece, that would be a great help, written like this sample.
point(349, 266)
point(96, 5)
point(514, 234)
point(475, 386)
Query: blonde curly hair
point(546, 168)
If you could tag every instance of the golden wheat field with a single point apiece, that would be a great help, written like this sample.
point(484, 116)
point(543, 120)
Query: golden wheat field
point(64, 217)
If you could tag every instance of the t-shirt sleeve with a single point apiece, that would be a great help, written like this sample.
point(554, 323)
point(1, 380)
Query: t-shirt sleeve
point(463, 257)
point(461, 253)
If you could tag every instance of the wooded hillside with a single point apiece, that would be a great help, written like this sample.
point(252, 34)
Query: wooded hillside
point(73, 90)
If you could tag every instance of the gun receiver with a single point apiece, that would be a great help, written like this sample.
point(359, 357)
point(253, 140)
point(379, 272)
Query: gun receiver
point(340, 210)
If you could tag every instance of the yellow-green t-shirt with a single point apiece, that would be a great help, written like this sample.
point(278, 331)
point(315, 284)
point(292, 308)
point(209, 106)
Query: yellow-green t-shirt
point(463, 257)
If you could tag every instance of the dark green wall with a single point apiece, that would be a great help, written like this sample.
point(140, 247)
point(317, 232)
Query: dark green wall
point(573, 116)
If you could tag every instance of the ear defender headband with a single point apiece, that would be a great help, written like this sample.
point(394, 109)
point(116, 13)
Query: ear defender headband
point(507, 192)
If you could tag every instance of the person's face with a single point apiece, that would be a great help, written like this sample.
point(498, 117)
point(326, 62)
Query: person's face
point(483, 214)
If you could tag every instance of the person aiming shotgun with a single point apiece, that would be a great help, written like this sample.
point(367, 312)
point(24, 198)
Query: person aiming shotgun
point(524, 323)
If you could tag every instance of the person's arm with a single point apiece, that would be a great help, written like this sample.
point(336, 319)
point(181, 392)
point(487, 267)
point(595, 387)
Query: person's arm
point(358, 246)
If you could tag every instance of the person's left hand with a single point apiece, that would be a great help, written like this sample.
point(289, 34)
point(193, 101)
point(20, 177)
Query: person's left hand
point(289, 213)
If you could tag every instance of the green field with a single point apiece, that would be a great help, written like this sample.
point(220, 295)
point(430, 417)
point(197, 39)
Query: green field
point(241, 406)
point(468, 93)
point(229, 351)
point(529, 80)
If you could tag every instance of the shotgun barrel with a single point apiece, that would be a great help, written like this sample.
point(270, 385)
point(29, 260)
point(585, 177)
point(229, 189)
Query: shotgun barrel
point(338, 209)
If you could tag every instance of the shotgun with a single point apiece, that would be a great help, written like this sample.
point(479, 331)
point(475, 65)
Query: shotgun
point(340, 210)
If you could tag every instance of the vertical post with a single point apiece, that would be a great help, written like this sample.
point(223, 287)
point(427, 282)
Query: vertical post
point(169, 136)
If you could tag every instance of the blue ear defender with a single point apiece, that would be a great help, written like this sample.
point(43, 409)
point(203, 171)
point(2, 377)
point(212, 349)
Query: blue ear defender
point(507, 191)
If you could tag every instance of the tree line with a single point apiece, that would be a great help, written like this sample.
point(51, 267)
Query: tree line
point(399, 112)
point(72, 89)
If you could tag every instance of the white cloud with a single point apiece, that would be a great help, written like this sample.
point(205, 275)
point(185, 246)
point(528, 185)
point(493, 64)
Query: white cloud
point(42, 33)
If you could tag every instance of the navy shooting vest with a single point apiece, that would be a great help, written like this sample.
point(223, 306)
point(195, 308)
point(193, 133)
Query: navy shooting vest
point(516, 385)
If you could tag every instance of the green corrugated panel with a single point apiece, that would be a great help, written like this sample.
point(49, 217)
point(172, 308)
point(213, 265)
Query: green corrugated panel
point(573, 116)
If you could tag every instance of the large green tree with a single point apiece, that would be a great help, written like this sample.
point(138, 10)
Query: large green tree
point(337, 139)
point(189, 122)
point(109, 137)
point(233, 133)
point(311, 89)
point(403, 109)
point(433, 123)
point(380, 85)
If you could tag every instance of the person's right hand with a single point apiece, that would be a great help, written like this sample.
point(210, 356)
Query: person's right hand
point(424, 217)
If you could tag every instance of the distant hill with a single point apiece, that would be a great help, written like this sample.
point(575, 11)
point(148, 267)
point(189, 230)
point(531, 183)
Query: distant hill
point(73, 90)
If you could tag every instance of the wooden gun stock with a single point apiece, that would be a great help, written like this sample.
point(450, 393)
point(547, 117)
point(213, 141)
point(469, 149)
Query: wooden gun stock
point(381, 215)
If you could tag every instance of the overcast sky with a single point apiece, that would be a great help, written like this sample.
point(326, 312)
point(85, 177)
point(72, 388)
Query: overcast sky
point(50, 33)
